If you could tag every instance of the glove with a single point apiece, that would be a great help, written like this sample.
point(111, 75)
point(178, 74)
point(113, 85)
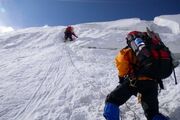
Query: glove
point(121, 79)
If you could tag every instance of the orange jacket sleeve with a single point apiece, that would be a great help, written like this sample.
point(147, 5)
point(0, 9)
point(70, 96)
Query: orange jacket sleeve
point(123, 62)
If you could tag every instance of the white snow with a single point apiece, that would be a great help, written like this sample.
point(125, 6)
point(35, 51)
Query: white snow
point(170, 21)
point(5, 29)
point(43, 78)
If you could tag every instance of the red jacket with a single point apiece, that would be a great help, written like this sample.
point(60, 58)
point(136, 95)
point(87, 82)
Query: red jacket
point(70, 30)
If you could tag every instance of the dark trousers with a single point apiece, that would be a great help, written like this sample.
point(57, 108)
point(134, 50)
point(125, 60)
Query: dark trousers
point(68, 35)
point(148, 90)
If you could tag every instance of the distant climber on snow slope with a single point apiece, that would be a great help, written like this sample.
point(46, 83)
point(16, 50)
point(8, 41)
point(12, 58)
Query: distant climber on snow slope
point(69, 32)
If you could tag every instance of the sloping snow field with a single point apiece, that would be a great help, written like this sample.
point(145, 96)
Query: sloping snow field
point(43, 78)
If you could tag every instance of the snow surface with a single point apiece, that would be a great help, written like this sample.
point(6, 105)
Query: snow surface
point(43, 78)
point(171, 21)
point(4, 29)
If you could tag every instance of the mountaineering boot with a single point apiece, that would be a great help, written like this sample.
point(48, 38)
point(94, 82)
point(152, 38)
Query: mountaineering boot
point(111, 111)
point(160, 117)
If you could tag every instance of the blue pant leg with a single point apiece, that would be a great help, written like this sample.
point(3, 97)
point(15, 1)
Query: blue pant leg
point(111, 112)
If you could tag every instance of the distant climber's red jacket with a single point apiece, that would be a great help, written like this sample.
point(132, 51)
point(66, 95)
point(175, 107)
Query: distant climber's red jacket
point(70, 30)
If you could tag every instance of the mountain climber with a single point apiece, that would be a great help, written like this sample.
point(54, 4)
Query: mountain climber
point(69, 32)
point(132, 84)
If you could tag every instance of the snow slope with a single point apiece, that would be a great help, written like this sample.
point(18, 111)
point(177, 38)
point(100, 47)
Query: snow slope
point(171, 21)
point(43, 78)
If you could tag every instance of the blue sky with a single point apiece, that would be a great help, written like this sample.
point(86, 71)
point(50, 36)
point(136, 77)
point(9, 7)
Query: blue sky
point(30, 13)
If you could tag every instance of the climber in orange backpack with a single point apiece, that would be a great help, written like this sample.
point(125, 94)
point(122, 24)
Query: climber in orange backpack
point(69, 32)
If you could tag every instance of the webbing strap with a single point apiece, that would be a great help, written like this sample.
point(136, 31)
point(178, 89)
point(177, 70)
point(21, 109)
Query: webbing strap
point(160, 82)
point(175, 76)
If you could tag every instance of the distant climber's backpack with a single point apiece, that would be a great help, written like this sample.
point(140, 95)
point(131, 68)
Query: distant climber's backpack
point(69, 29)
point(153, 56)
